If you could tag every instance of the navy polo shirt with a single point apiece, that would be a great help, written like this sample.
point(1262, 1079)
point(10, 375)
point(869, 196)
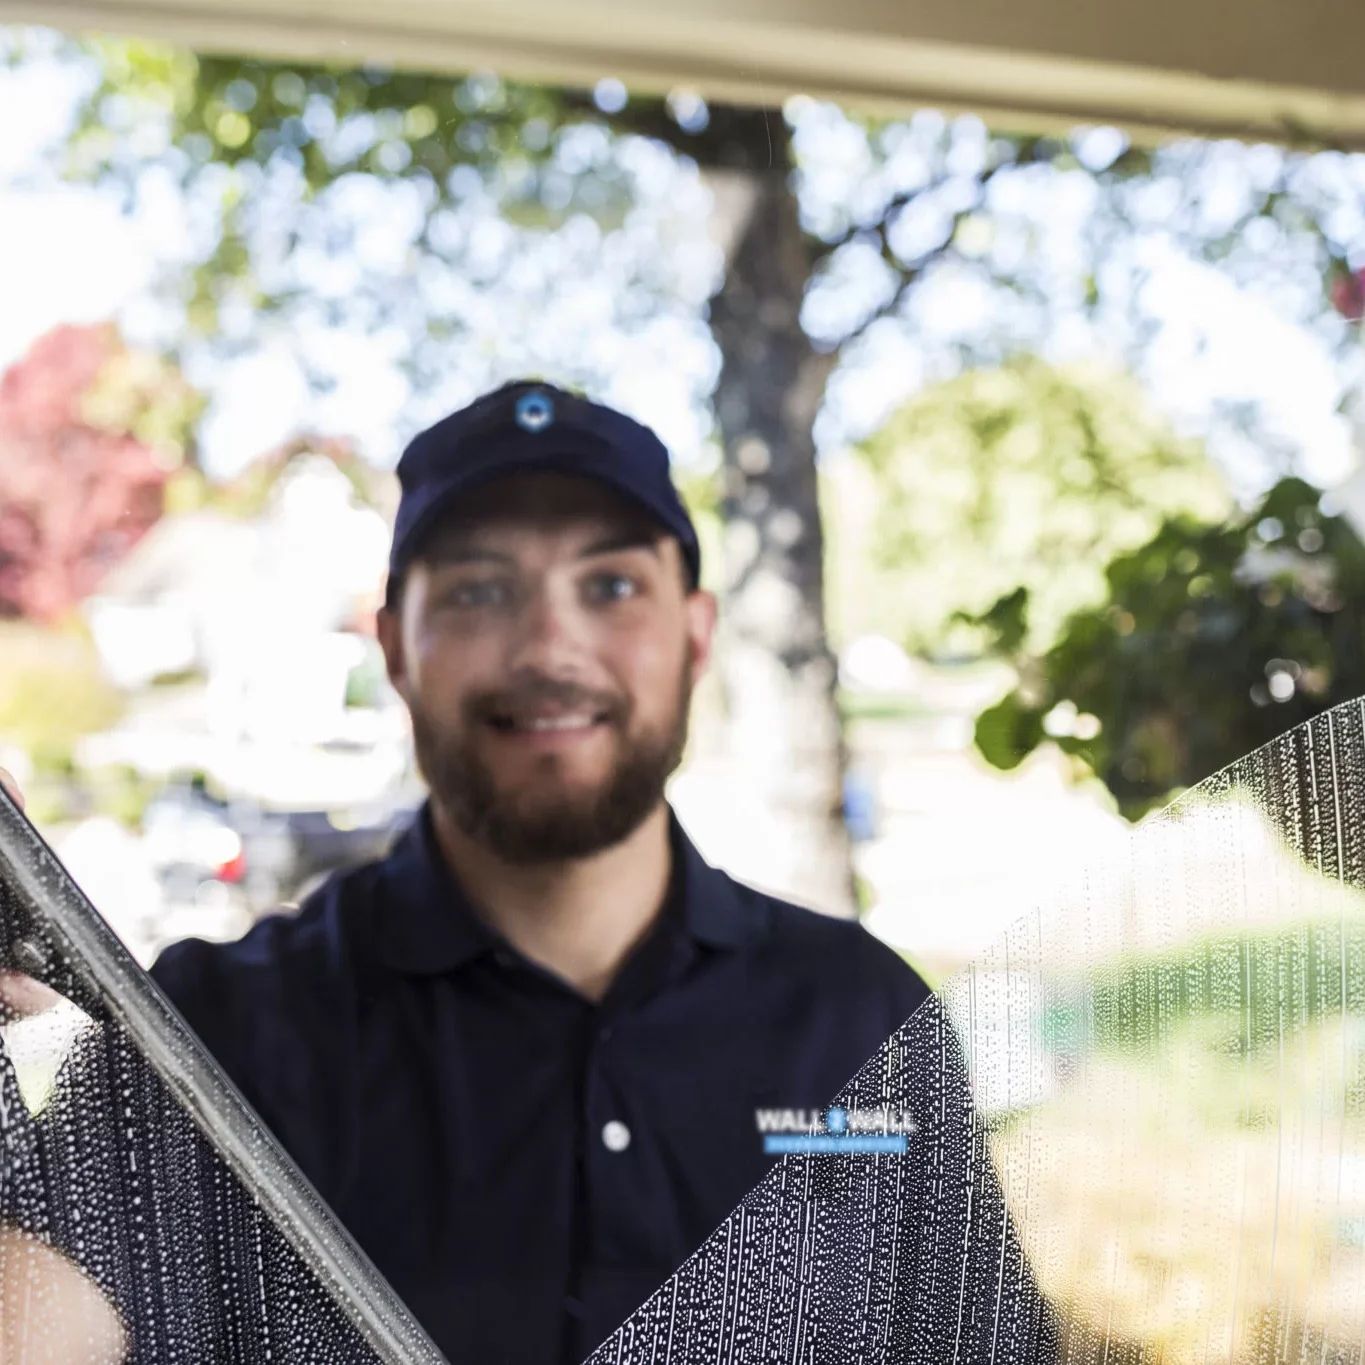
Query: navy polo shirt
point(525, 1165)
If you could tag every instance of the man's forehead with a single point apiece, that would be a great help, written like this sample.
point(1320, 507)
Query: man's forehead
point(547, 502)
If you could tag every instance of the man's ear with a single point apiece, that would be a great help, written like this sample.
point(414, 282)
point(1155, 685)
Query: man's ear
point(702, 610)
point(389, 631)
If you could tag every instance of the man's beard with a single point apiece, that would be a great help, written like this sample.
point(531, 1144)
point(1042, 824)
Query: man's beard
point(516, 826)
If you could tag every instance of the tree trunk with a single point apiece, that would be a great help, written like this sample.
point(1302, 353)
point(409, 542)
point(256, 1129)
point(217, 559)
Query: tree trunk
point(784, 737)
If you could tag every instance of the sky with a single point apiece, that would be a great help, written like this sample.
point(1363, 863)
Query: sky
point(69, 254)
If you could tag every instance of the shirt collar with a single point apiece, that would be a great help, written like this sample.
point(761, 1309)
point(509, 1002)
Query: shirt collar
point(428, 926)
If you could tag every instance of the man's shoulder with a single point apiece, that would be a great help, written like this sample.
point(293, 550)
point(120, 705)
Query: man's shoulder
point(278, 1009)
point(312, 943)
point(832, 952)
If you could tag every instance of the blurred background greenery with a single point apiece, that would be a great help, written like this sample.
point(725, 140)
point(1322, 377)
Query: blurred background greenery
point(917, 374)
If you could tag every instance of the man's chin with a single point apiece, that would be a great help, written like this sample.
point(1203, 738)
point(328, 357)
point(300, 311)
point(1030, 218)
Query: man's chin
point(581, 759)
point(553, 779)
point(550, 804)
point(554, 806)
point(544, 833)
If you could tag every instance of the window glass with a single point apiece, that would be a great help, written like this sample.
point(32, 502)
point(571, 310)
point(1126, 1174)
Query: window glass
point(145, 1213)
point(1167, 1062)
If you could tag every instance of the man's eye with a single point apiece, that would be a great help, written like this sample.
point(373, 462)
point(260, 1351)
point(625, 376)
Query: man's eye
point(611, 587)
point(486, 594)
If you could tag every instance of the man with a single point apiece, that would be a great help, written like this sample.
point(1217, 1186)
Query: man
point(521, 1057)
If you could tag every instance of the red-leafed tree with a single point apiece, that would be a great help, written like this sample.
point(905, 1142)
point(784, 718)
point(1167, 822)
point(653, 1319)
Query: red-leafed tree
point(89, 431)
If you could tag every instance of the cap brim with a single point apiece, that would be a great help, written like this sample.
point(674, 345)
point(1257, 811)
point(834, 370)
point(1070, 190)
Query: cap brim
point(444, 501)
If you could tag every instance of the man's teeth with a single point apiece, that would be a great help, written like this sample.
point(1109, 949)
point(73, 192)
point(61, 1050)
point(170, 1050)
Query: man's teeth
point(555, 723)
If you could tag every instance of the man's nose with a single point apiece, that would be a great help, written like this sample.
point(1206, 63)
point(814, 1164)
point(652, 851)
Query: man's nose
point(550, 634)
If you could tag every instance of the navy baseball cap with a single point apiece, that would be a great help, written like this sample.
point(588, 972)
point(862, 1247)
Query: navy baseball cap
point(528, 427)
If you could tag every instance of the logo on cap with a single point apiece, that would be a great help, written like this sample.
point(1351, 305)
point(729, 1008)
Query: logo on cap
point(535, 412)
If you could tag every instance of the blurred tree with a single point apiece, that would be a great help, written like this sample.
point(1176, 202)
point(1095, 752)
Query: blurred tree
point(52, 692)
point(1021, 475)
point(285, 140)
point(276, 151)
point(89, 431)
point(1213, 640)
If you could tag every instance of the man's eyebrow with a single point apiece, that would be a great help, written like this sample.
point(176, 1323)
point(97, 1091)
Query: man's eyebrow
point(623, 540)
point(453, 552)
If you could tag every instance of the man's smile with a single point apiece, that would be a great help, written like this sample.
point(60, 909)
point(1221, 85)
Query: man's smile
point(548, 727)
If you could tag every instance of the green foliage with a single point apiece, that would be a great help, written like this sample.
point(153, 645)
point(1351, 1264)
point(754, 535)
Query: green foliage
point(52, 692)
point(236, 127)
point(365, 683)
point(1022, 476)
point(137, 80)
point(1008, 732)
point(701, 494)
point(140, 394)
point(400, 123)
point(1262, 988)
point(1212, 641)
point(240, 127)
point(120, 792)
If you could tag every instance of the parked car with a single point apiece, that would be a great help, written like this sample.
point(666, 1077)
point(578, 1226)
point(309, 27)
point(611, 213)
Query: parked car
point(198, 842)
point(322, 842)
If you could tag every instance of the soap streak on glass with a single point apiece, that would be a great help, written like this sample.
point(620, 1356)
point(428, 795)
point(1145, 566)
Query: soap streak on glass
point(1167, 1060)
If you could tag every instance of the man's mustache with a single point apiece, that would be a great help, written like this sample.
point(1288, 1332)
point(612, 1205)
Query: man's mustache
point(538, 693)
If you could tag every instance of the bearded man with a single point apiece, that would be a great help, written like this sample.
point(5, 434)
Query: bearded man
point(522, 1056)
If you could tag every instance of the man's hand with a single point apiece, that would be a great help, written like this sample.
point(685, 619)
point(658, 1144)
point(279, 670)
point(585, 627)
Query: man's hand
point(50, 1310)
point(21, 997)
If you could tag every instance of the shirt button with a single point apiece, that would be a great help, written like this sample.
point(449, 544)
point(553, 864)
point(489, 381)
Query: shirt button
point(615, 1136)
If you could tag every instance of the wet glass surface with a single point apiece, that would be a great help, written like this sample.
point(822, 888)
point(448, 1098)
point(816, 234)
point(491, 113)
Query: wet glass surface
point(1138, 1134)
point(1167, 1062)
point(145, 1213)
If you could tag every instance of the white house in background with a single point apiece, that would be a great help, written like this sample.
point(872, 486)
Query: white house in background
point(265, 611)
point(155, 612)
